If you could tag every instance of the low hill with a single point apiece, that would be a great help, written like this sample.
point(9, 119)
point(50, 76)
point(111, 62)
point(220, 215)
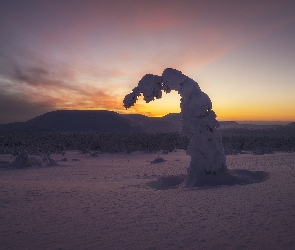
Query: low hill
point(76, 120)
point(103, 120)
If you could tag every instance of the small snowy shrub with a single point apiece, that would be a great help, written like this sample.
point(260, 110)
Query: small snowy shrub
point(158, 160)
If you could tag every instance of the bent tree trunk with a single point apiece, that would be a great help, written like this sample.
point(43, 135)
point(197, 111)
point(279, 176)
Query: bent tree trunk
point(199, 122)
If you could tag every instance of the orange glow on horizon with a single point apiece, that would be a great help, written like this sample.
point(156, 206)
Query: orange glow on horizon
point(248, 113)
point(170, 103)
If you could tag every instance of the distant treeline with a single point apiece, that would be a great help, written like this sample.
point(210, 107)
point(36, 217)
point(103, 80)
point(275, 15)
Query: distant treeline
point(53, 142)
point(259, 141)
point(235, 141)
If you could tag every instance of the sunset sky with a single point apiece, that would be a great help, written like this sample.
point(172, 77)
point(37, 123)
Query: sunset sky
point(67, 54)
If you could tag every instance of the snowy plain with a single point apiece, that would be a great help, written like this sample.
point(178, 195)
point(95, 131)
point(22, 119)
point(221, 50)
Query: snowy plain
point(124, 201)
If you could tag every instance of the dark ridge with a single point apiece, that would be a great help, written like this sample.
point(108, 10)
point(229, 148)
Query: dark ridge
point(109, 121)
point(76, 120)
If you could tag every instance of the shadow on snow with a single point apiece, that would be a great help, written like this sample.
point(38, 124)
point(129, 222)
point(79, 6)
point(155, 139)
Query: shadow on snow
point(229, 178)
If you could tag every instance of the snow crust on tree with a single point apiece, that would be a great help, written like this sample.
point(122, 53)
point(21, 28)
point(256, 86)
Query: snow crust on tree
point(22, 160)
point(199, 120)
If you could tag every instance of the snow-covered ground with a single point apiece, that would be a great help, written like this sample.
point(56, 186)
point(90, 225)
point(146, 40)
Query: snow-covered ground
point(123, 201)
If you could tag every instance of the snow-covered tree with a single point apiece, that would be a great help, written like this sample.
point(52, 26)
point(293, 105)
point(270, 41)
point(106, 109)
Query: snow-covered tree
point(199, 121)
point(22, 160)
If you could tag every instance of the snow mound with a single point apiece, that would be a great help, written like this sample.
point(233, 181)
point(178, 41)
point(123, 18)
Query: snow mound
point(167, 182)
point(158, 160)
point(21, 161)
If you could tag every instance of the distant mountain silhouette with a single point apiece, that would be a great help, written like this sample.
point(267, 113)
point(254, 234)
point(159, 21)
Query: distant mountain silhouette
point(101, 120)
point(76, 120)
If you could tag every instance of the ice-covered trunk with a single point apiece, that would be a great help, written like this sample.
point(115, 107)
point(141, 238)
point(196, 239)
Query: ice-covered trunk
point(199, 121)
point(199, 124)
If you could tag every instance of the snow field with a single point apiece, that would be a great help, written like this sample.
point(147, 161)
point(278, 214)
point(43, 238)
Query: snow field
point(122, 201)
